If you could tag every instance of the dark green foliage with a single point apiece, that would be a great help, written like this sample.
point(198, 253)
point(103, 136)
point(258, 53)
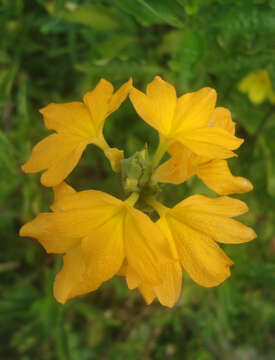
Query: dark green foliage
point(56, 51)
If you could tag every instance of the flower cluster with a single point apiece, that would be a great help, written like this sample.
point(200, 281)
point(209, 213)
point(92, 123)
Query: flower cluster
point(102, 236)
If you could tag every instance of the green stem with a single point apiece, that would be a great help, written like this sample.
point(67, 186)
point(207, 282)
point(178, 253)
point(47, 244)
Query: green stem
point(132, 199)
point(161, 150)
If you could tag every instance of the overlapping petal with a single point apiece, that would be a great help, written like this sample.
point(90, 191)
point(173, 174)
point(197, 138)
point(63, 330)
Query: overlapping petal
point(106, 232)
point(72, 281)
point(218, 177)
point(167, 292)
point(194, 225)
point(77, 125)
point(214, 173)
point(186, 119)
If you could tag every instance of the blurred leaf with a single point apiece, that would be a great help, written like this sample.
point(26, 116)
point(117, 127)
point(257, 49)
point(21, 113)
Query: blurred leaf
point(154, 11)
point(113, 47)
point(120, 70)
point(96, 16)
point(7, 77)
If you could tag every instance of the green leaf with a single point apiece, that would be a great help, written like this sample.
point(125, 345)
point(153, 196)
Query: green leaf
point(154, 11)
point(113, 47)
point(190, 52)
point(268, 146)
point(96, 16)
point(118, 70)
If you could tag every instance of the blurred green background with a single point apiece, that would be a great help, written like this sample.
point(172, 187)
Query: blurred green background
point(56, 51)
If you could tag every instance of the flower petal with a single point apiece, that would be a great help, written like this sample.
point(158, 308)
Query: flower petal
point(179, 168)
point(221, 118)
point(147, 292)
point(71, 280)
point(223, 206)
point(146, 247)
point(212, 218)
point(169, 290)
point(88, 199)
point(200, 256)
point(120, 95)
point(45, 152)
point(60, 169)
point(81, 213)
point(60, 191)
point(194, 110)
point(97, 102)
point(103, 249)
point(218, 177)
point(132, 279)
point(157, 107)
point(171, 172)
point(222, 229)
point(210, 142)
point(143, 106)
point(69, 118)
point(43, 229)
point(163, 98)
point(58, 153)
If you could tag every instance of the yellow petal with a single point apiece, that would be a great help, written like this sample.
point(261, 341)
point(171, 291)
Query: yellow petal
point(120, 95)
point(169, 290)
point(194, 110)
point(60, 169)
point(247, 82)
point(257, 84)
point(223, 206)
point(218, 177)
point(87, 199)
point(103, 249)
point(45, 152)
point(200, 256)
point(78, 223)
point(58, 153)
point(43, 229)
point(71, 280)
point(114, 156)
point(69, 118)
point(146, 247)
point(147, 293)
point(60, 191)
point(179, 168)
point(157, 107)
point(144, 108)
point(210, 142)
point(81, 213)
point(212, 218)
point(221, 118)
point(123, 269)
point(132, 278)
point(257, 93)
point(163, 98)
point(219, 228)
point(97, 102)
point(171, 172)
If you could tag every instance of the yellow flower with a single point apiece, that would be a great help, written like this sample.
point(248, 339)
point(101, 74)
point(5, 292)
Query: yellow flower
point(258, 87)
point(195, 225)
point(98, 232)
point(184, 119)
point(214, 173)
point(76, 124)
